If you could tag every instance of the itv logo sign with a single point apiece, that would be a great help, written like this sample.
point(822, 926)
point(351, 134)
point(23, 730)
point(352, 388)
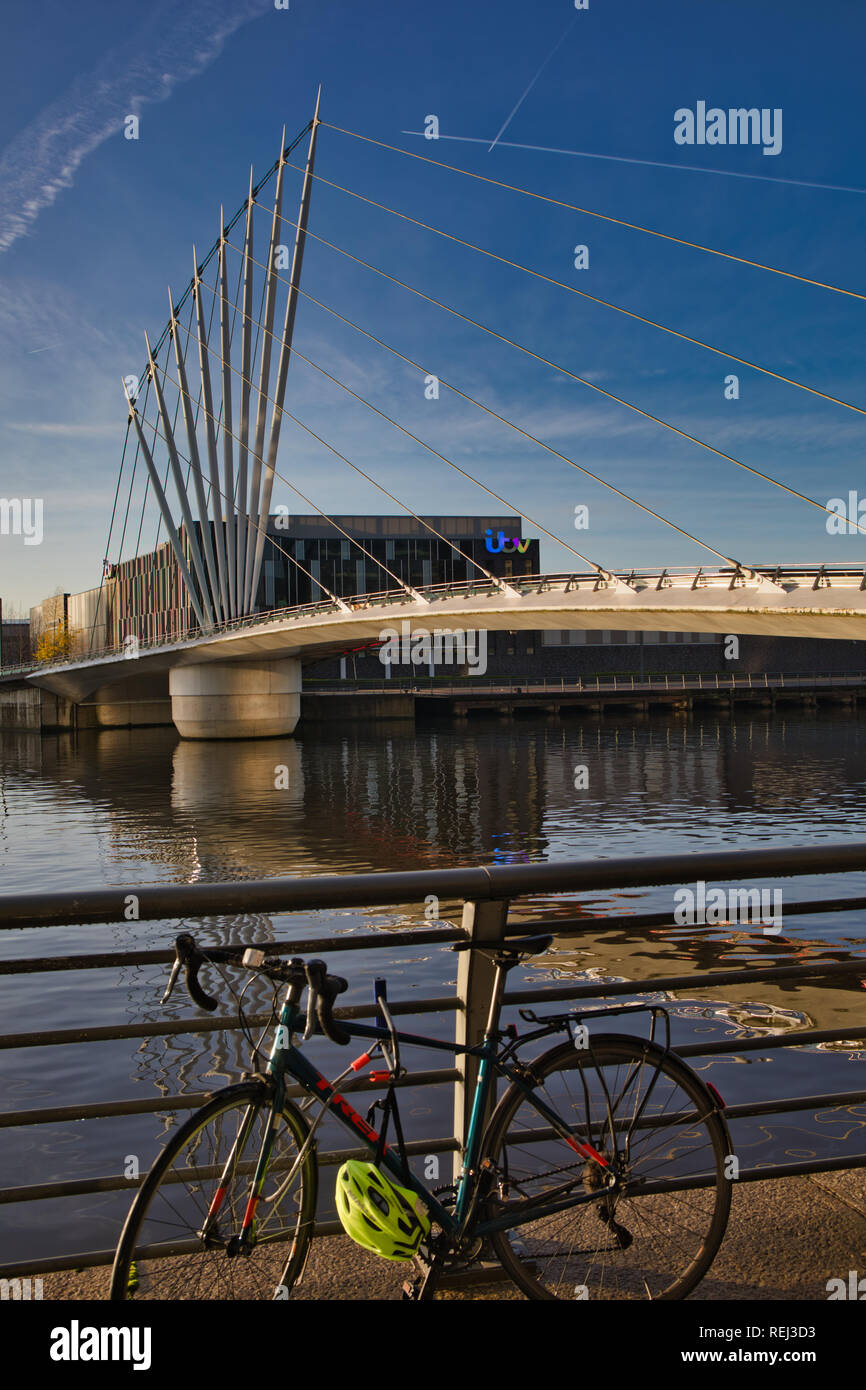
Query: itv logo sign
point(503, 543)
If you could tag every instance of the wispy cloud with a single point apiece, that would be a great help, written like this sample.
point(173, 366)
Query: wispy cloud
point(176, 43)
point(61, 427)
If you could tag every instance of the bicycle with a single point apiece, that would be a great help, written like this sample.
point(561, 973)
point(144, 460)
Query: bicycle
point(600, 1172)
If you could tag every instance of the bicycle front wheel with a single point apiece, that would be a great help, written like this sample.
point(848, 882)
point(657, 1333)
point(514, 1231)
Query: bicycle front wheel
point(181, 1238)
point(649, 1121)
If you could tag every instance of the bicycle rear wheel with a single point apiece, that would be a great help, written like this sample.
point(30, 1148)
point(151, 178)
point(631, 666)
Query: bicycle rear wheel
point(655, 1124)
point(161, 1253)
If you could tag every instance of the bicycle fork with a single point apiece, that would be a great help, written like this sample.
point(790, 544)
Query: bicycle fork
point(241, 1242)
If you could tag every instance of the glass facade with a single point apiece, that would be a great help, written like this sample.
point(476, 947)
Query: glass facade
point(602, 637)
point(309, 556)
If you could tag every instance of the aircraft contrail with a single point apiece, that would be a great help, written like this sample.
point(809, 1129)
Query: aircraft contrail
point(516, 108)
point(652, 163)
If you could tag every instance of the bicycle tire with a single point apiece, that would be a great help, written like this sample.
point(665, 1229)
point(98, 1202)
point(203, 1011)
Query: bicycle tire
point(153, 1260)
point(560, 1256)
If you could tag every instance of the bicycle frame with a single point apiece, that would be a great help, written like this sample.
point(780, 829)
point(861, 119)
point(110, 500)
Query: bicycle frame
point(290, 1061)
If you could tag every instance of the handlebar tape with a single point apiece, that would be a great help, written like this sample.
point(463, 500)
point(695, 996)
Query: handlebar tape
point(337, 1032)
point(191, 959)
point(324, 989)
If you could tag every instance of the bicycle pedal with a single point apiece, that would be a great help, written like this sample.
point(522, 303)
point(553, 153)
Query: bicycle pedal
point(411, 1288)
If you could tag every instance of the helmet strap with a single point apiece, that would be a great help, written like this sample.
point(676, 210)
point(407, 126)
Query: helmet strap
point(389, 1107)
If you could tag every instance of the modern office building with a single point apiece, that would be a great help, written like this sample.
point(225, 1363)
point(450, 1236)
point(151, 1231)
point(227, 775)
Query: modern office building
point(14, 642)
point(306, 557)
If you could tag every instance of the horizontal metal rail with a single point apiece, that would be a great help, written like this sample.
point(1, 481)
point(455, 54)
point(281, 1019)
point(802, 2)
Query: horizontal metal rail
point(443, 687)
point(552, 994)
point(489, 883)
point(419, 937)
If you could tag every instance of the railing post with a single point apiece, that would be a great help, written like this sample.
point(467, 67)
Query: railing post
point(476, 974)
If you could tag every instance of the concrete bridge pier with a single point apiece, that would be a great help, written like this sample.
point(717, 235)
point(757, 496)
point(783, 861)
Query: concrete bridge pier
point(221, 699)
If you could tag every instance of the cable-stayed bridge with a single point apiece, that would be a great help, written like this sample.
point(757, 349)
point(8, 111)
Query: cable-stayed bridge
point(204, 427)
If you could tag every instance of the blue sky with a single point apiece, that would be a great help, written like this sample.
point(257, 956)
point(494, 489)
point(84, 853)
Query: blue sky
point(93, 227)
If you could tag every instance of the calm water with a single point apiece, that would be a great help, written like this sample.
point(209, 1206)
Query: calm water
point(136, 807)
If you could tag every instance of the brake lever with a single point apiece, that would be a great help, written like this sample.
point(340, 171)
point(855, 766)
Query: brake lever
point(315, 971)
point(172, 979)
point(184, 946)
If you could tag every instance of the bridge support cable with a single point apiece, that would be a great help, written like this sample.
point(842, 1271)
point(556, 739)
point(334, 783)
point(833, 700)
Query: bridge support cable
point(143, 509)
point(600, 570)
point(603, 574)
point(594, 298)
point(601, 216)
point(177, 406)
point(252, 507)
point(583, 381)
point(180, 487)
point(131, 487)
point(586, 471)
point(264, 383)
point(334, 598)
point(226, 426)
point(540, 442)
point(243, 438)
point(210, 427)
point(174, 539)
point(105, 561)
point(195, 469)
point(224, 552)
point(407, 588)
point(285, 346)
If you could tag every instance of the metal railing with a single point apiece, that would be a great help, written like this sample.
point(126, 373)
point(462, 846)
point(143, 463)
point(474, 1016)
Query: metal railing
point(585, 685)
point(487, 893)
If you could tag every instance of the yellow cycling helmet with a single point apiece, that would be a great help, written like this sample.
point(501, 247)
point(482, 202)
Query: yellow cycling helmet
point(379, 1214)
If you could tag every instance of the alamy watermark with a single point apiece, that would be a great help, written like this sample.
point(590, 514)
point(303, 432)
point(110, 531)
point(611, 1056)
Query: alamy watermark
point(846, 517)
point(77, 1343)
point(736, 126)
point(442, 646)
point(752, 906)
point(855, 1288)
point(18, 1289)
point(22, 516)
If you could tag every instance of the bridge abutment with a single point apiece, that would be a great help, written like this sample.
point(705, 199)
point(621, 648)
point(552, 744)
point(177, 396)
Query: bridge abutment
point(133, 703)
point(253, 699)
